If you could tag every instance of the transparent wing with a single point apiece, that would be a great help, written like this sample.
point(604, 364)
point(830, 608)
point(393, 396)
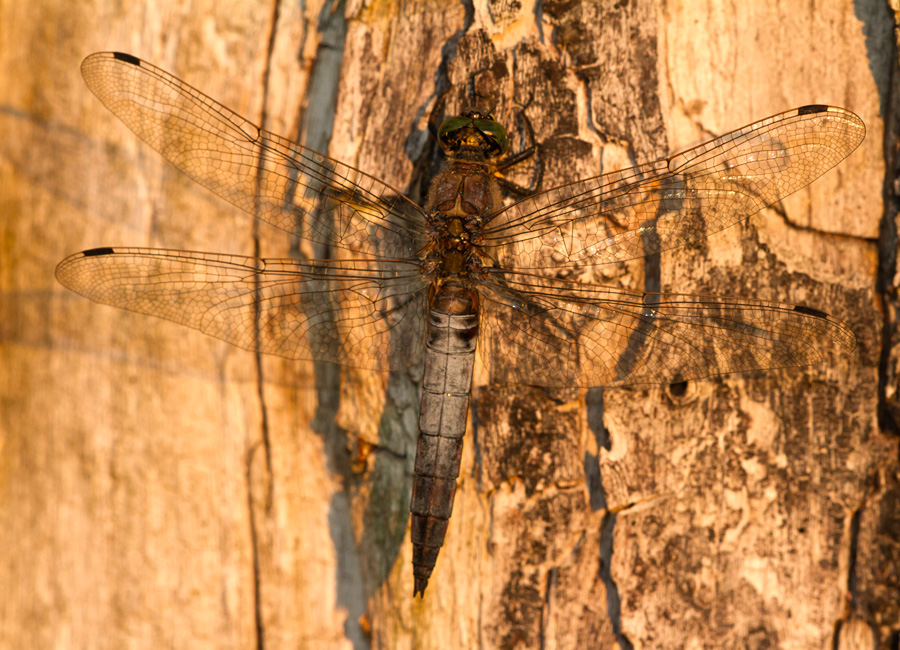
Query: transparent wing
point(275, 180)
point(675, 201)
point(362, 314)
point(543, 331)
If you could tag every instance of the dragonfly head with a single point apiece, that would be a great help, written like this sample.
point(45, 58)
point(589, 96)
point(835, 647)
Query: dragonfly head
point(473, 130)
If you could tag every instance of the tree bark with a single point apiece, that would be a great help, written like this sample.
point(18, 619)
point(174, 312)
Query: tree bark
point(160, 488)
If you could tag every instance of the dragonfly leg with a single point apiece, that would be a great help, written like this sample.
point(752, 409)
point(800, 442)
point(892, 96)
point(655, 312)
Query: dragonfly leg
point(532, 150)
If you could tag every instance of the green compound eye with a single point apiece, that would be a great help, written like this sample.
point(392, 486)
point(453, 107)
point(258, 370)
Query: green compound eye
point(451, 125)
point(456, 131)
point(495, 134)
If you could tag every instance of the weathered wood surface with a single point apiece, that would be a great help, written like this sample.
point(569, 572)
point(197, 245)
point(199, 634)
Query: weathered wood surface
point(160, 488)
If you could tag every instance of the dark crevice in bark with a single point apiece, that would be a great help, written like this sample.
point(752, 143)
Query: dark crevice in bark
point(881, 32)
point(613, 603)
point(594, 405)
point(545, 614)
point(260, 391)
point(264, 425)
point(887, 237)
point(317, 121)
point(887, 295)
point(315, 127)
point(852, 579)
point(254, 544)
point(593, 401)
point(539, 19)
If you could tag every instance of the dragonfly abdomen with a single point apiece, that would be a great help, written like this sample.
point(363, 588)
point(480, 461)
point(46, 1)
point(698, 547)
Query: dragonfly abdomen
point(449, 360)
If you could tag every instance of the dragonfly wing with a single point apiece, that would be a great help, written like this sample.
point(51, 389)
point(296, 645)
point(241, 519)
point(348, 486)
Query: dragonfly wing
point(361, 314)
point(675, 201)
point(284, 184)
point(543, 331)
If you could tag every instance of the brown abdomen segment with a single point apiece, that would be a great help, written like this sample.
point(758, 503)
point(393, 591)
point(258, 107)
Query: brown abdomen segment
point(449, 359)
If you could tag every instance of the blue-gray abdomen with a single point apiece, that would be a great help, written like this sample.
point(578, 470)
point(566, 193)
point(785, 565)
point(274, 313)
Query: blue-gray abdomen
point(449, 360)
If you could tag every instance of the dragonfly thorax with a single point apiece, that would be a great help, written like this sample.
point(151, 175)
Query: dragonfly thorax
point(454, 245)
point(457, 232)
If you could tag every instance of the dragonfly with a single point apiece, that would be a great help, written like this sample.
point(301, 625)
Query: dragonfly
point(405, 285)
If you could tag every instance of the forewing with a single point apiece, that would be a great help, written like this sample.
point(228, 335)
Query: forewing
point(362, 314)
point(282, 183)
point(675, 201)
point(547, 332)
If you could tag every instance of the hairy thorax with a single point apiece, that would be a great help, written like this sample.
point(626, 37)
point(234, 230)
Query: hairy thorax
point(461, 197)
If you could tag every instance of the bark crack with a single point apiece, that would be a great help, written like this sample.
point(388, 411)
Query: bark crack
point(264, 441)
point(254, 545)
point(887, 245)
point(852, 607)
point(548, 604)
point(613, 602)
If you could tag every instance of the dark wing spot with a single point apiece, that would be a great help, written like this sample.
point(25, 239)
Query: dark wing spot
point(809, 311)
point(127, 58)
point(105, 250)
point(812, 108)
